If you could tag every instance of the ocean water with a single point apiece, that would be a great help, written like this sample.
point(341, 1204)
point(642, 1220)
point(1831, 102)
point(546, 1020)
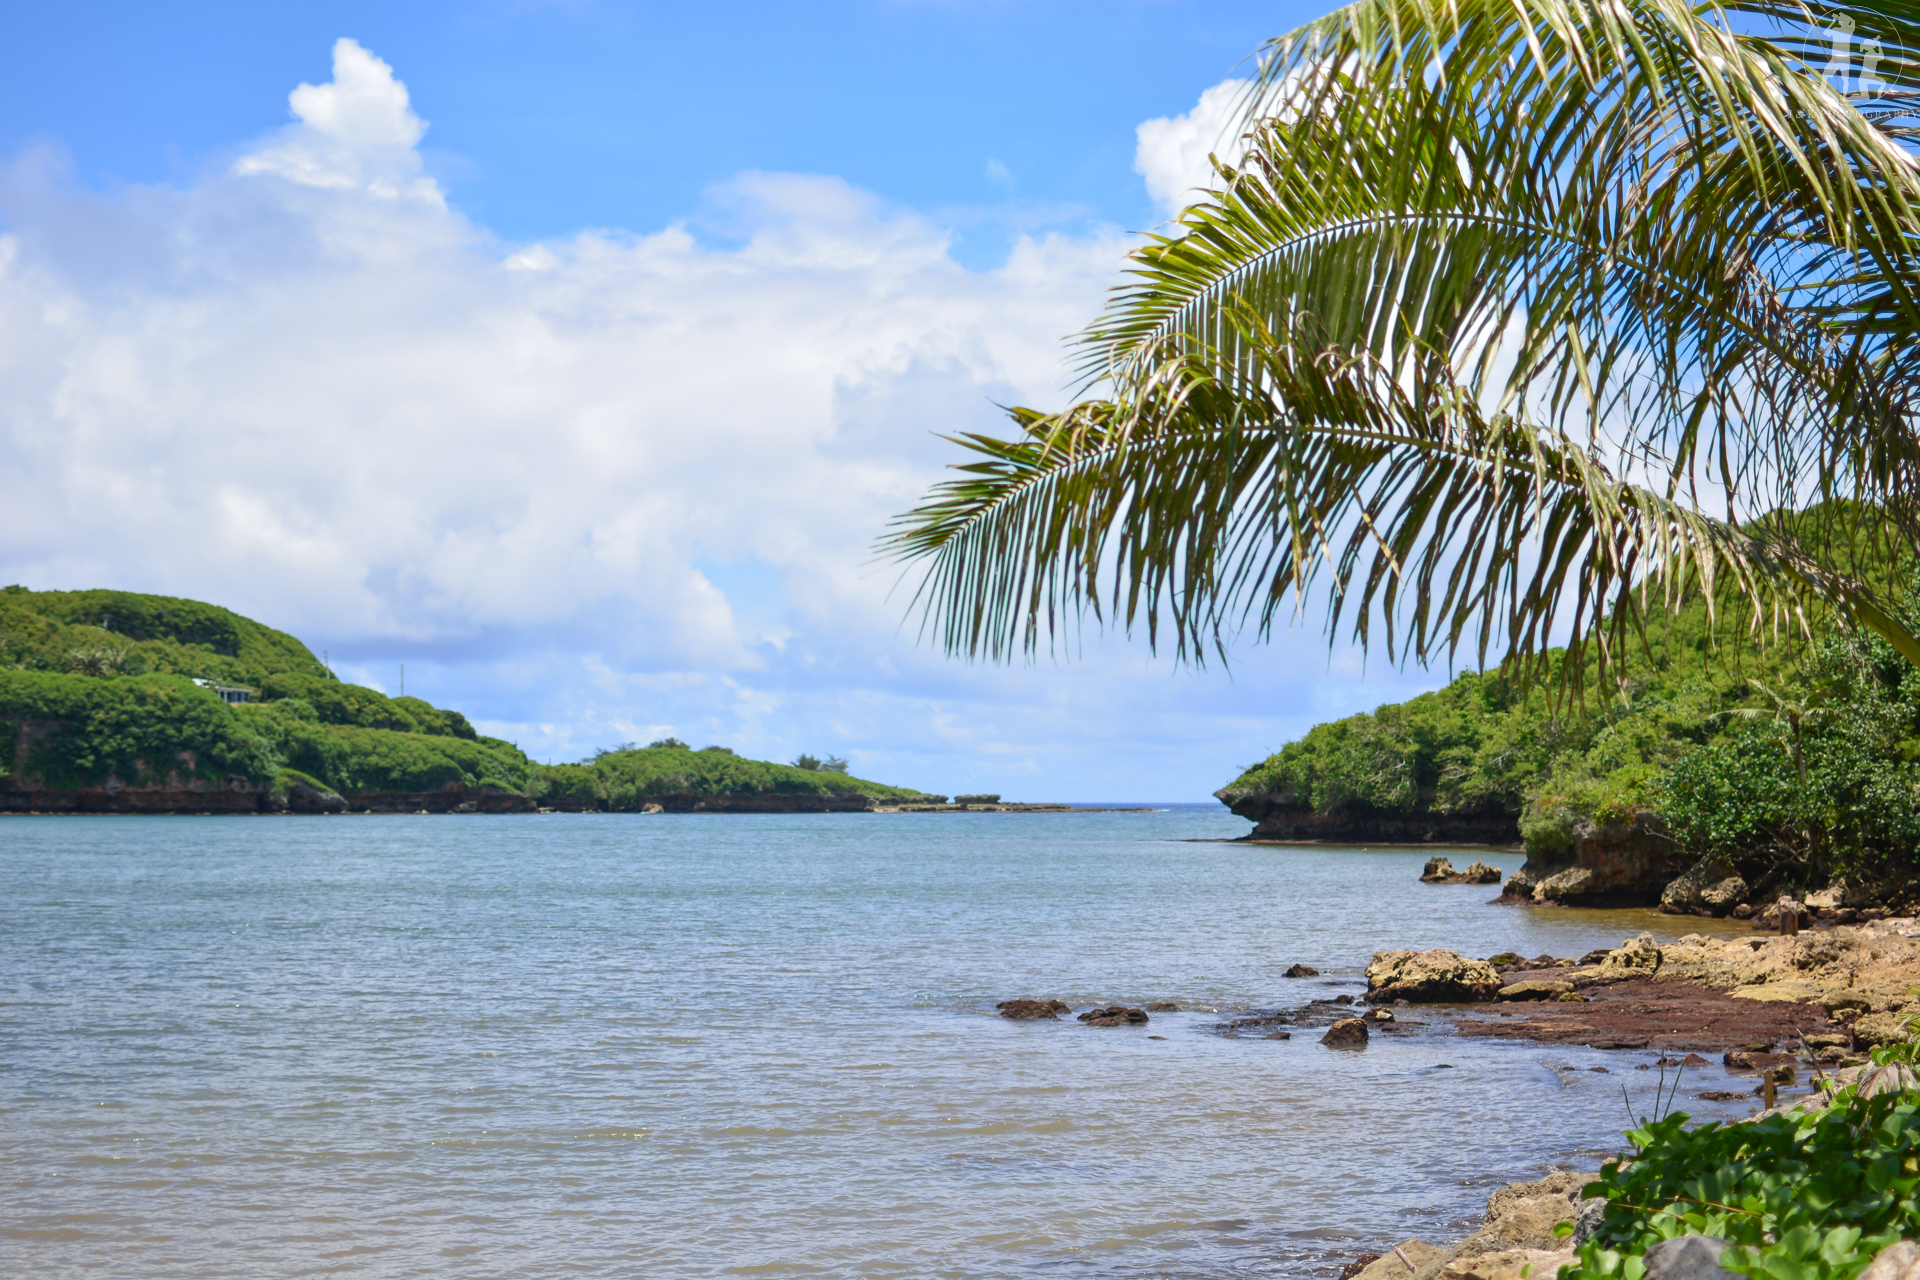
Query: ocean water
point(568, 1045)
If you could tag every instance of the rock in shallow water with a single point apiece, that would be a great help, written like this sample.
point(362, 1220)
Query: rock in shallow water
point(1440, 871)
point(1115, 1015)
point(1301, 971)
point(1348, 1033)
point(1029, 1010)
point(1432, 976)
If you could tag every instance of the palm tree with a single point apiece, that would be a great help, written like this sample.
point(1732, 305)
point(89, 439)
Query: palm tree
point(1519, 319)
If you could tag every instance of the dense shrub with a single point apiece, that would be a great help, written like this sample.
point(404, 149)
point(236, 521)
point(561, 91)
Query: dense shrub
point(1801, 1196)
point(79, 730)
point(1801, 756)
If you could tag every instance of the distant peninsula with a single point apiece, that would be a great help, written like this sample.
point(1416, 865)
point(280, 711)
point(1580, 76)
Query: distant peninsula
point(1704, 774)
point(119, 702)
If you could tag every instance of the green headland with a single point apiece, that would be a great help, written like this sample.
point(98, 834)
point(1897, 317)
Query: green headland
point(112, 701)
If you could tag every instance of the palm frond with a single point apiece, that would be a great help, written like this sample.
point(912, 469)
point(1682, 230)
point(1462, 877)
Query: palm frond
point(1518, 316)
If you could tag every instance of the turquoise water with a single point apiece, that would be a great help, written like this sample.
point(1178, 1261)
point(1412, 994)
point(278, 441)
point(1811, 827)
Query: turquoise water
point(720, 1046)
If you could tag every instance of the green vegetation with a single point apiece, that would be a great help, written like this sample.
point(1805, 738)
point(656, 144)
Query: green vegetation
point(102, 633)
point(631, 777)
point(100, 684)
point(1810, 1196)
point(1793, 757)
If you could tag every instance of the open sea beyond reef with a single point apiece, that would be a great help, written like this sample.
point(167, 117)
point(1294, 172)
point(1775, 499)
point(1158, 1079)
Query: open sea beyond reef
point(718, 1046)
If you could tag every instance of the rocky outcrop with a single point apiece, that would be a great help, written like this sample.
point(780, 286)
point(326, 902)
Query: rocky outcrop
point(1301, 971)
point(1283, 818)
point(1430, 977)
point(1348, 1033)
point(1617, 864)
point(1710, 887)
point(1440, 871)
point(1516, 1238)
point(1031, 1010)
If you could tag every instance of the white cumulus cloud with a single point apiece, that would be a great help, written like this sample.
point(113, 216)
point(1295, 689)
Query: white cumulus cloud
point(586, 487)
point(358, 131)
point(1171, 152)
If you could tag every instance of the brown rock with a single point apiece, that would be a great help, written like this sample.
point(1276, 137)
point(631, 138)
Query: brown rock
point(1030, 1010)
point(1440, 871)
point(1358, 1265)
point(1348, 1033)
point(1163, 1006)
point(1710, 887)
point(1749, 1062)
point(1278, 1035)
point(1535, 989)
point(1115, 1015)
point(1301, 971)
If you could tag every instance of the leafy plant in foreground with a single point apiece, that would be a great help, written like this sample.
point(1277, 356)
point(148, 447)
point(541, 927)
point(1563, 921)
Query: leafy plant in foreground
point(1809, 1196)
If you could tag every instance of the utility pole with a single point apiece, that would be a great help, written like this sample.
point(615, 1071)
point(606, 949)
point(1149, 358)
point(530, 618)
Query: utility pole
point(403, 679)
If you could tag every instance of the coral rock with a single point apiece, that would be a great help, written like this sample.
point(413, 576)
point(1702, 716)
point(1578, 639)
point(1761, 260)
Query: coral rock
point(1430, 977)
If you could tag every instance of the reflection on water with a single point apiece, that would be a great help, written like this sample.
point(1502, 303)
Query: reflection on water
point(705, 1046)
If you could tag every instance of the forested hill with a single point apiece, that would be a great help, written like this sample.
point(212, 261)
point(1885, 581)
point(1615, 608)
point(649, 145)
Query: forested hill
point(99, 711)
point(1797, 755)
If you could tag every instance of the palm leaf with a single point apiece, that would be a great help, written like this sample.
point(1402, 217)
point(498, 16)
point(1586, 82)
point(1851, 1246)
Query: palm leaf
point(1519, 316)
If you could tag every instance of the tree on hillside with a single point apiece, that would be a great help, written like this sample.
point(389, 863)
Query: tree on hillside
point(1518, 318)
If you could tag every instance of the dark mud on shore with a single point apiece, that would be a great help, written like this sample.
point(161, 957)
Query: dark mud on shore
point(1650, 1013)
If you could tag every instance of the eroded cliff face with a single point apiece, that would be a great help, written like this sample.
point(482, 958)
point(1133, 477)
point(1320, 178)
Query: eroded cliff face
point(239, 796)
point(1617, 864)
point(1282, 817)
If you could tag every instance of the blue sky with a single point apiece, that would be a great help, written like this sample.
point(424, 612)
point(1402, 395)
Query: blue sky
point(575, 354)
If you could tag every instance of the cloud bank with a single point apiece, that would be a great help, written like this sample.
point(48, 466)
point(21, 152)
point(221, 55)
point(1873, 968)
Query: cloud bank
point(609, 486)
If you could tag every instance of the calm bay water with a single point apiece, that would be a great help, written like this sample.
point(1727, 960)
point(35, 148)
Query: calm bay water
point(719, 1046)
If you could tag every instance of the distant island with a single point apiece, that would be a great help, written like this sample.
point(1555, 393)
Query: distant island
point(119, 702)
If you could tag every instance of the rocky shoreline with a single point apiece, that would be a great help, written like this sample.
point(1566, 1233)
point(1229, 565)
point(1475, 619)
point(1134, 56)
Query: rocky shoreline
point(239, 797)
point(1770, 1006)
